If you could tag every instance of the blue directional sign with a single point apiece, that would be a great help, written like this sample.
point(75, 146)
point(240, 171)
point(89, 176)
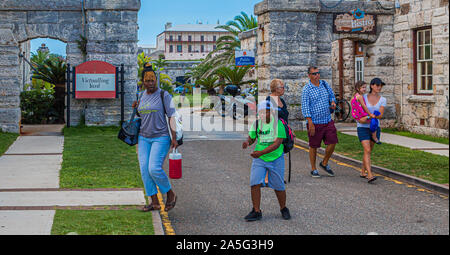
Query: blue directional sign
point(244, 58)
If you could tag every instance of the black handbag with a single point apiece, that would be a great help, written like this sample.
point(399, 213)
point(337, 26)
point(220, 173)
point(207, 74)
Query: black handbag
point(129, 132)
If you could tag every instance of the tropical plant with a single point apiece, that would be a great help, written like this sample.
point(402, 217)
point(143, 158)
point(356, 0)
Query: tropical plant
point(209, 83)
point(142, 59)
point(240, 23)
point(234, 75)
point(197, 71)
point(159, 64)
point(226, 45)
point(37, 106)
point(39, 57)
point(52, 70)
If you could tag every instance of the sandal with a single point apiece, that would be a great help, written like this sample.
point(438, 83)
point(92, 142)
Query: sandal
point(363, 176)
point(372, 179)
point(170, 205)
point(151, 207)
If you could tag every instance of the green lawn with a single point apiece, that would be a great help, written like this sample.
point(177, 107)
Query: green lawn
point(102, 222)
point(94, 157)
point(395, 131)
point(421, 164)
point(6, 139)
point(188, 99)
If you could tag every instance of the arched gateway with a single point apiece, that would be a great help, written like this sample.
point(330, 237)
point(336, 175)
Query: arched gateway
point(111, 31)
point(294, 34)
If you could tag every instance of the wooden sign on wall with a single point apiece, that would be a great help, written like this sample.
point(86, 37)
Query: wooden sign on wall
point(355, 22)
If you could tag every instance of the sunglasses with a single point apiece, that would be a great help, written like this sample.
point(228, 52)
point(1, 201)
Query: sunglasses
point(316, 73)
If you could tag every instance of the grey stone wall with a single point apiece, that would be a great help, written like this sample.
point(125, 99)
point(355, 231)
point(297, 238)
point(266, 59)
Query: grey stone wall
point(294, 34)
point(111, 30)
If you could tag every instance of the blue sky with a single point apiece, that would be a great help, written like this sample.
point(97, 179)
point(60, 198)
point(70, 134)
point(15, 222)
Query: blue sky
point(153, 15)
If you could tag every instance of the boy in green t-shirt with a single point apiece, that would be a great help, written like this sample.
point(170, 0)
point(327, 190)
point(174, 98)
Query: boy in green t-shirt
point(269, 133)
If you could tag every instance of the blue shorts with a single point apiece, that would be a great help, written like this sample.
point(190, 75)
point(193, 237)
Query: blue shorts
point(274, 168)
point(365, 134)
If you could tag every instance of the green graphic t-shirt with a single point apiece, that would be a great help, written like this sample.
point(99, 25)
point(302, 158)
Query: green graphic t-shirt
point(266, 137)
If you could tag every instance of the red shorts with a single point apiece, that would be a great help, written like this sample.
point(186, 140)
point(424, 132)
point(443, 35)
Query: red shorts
point(324, 132)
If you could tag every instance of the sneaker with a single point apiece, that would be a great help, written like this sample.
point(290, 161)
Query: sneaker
point(327, 169)
point(315, 174)
point(253, 216)
point(285, 213)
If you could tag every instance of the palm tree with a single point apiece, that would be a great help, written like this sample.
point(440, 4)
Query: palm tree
point(197, 72)
point(226, 45)
point(209, 83)
point(240, 23)
point(234, 75)
point(53, 71)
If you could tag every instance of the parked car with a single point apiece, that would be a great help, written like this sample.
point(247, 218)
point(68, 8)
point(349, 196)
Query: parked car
point(180, 89)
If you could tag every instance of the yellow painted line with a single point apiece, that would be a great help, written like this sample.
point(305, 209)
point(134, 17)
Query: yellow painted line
point(165, 217)
point(385, 177)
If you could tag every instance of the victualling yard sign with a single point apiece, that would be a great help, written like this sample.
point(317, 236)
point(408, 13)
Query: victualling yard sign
point(95, 79)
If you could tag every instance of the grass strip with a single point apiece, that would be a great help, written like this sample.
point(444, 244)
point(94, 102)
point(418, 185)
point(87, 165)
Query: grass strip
point(94, 157)
point(421, 164)
point(430, 138)
point(102, 222)
point(6, 139)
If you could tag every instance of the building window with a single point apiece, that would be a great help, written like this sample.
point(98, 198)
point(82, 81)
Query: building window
point(190, 38)
point(171, 38)
point(202, 48)
point(359, 68)
point(214, 38)
point(202, 38)
point(189, 48)
point(424, 61)
point(170, 48)
point(179, 48)
point(179, 38)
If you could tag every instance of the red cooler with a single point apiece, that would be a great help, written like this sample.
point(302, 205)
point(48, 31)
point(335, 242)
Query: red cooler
point(175, 164)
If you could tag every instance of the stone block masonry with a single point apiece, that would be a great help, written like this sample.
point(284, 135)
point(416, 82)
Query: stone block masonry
point(111, 30)
point(295, 34)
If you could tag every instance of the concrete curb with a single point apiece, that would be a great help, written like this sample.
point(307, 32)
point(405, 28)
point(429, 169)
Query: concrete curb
point(384, 171)
point(157, 223)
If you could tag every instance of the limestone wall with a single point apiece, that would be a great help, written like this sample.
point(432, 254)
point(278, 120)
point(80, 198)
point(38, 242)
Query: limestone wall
point(428, 114)
point(111, 30)
point(294, 34)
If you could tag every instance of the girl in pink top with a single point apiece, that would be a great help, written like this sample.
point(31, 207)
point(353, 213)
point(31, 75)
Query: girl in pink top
point(360, 112)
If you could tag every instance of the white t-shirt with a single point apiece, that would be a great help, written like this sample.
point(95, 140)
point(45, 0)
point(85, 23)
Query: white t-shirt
point(372, 108)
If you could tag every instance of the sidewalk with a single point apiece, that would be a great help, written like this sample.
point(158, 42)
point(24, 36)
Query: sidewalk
point(29, 187)
point(412, 143)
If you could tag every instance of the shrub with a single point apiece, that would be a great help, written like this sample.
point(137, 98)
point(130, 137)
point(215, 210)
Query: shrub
point(37, 106)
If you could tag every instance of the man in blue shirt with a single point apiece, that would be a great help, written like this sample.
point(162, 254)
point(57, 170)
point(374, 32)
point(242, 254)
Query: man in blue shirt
point(317, 100)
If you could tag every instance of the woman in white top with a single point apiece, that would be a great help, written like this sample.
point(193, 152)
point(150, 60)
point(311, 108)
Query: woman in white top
point(374, 102)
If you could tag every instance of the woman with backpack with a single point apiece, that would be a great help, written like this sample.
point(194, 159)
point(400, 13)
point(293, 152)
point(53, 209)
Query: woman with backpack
point(276, 92)
point(154, 139)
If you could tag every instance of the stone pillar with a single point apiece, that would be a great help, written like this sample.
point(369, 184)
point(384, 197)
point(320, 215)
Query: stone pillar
point(112, 37)
point(9, 80)
point(287, 46)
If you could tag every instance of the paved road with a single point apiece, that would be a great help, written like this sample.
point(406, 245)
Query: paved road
point(214, 196)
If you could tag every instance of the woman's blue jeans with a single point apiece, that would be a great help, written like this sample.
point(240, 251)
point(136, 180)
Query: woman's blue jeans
point(151, 155)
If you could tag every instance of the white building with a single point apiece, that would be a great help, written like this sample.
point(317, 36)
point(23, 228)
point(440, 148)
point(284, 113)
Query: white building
point(189, 41)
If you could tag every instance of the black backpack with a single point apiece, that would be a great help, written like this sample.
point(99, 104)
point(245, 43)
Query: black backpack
point(288, 142)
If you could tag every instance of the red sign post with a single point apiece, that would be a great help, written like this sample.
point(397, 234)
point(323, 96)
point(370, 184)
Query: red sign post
point(95, 79)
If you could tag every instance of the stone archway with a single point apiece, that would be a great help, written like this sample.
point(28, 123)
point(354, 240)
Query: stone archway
point(295, 34)
point(111, 31)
